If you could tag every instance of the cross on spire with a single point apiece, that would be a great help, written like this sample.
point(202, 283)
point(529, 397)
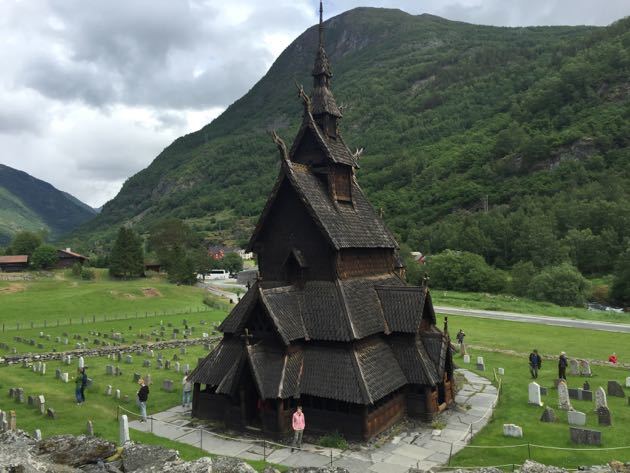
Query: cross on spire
point(321, 24)
point(247, 336)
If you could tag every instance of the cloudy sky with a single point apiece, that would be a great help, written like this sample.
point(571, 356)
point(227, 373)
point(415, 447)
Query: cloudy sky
point(92, 91)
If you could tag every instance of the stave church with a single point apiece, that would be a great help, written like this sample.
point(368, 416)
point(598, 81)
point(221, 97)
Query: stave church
point(330, 324)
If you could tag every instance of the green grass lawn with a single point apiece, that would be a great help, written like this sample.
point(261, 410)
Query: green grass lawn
point(509, 303)
point(62, 297)
point(513, 408)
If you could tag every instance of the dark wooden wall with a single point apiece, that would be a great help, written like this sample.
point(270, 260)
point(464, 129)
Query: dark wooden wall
point(354, 262)
point(289, 225)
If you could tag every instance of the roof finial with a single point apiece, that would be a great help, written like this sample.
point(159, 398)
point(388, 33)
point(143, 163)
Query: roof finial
point(321, 24)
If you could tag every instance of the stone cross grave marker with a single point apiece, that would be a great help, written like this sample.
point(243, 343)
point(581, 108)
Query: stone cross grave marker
point(564, 401)
point(576, 418)
point(600, 398)
point(534, 394)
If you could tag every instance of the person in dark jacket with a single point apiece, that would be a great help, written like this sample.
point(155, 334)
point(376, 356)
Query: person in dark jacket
point(562, 366)
point(143, 397)
point(84, 382)
point(535, 363)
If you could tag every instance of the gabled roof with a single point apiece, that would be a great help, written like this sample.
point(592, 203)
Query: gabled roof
point(436, 344)
point(14, 259)
point(334, 148)
point(342, 310)
point(414, 359)
point(276, 373)
point(221, 367)
point(72, 254)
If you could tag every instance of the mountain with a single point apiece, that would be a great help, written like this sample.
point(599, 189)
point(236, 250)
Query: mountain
point(27, 203)
point(502, 141)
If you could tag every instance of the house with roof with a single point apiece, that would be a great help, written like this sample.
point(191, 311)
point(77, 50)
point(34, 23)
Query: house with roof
point(66, 258)
point(13, 263)
point(330, 323)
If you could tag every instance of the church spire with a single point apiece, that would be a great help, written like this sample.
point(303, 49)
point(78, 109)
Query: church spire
point(324, 108)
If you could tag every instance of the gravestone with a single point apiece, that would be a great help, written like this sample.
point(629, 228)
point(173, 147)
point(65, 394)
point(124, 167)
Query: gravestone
point(57, 373)
point(89, 428)
point(151, 353)
point(31, 401)
point(182, 350)
point(20, 395)
point(43, 369)
point(186, 368)
point(615, 389)
point(512, 430)
point(167, 385)
point(534, 394)
point(628, 382)
point(501, 371)
point(600, 398)
point(543, 391)
point(603, 416)
point(587, 395)
point(12, 421)
point(585, 368)
point(50, 412)
point(573, 393)
point(108, 390)
point(147, 379)
point(167, 365)
point(146, 364)
point(548, 415)
point(109, 369)
point(480, 364)
point(64, 377)
point(125, 399)
point(574, 367)
point(585, 436)
point(38, 435)
point(118, 394)
point(129, 359)
point(177, 366)
point(136, 377)
point(576, 418)
point(466, 357)
point(564, 401)
point(123, 430)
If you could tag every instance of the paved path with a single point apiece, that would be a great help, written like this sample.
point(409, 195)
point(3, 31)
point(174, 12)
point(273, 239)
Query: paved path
point(536, 319)
point(423, 447)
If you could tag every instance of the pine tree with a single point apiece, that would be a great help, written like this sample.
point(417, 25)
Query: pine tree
point(126, 258)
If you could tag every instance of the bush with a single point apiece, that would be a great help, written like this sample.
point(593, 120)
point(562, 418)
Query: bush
point(44, 257)
point(464, 271)
point(334, 440)
point(87, 274)
point(212, 302)
point(76, 269)
point(562, 285)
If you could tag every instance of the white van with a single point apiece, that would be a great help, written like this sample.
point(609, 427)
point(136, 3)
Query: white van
point(218, 274)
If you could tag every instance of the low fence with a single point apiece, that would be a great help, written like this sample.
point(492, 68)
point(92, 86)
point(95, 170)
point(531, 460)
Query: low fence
point(90, 319)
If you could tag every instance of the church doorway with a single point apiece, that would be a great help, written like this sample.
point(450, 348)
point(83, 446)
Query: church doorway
point(251, 403)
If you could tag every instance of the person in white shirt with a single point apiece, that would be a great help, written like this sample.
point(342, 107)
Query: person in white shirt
point(187, 391)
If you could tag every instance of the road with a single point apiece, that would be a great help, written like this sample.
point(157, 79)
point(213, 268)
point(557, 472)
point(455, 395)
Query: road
point(536, 319)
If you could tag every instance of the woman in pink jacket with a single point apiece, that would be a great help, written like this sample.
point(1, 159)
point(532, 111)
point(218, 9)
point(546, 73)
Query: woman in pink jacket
point(298, 427)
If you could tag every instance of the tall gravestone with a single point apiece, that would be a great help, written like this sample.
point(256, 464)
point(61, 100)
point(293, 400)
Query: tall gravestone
point(585, 368)
point(600, 398)
point(603, 416)
point(123, 432)
point(534, 394)
point(564, 401)
point(615, 389)
point(574, 367)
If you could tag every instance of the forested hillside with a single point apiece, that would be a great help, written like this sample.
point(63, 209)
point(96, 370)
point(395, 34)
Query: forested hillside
point(27, 203)
point(507, 142)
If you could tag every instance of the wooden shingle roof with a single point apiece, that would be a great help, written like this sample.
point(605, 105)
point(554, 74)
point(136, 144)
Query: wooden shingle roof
point(342, 310)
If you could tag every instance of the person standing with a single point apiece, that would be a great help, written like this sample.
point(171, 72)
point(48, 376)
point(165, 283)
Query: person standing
point(187, 391)
point(460, 339)
point(78, 387)
point(613, 359)
point(84, 382)
point(562, 366)
point(535, 363)
point(299, 424)
point(143, 396)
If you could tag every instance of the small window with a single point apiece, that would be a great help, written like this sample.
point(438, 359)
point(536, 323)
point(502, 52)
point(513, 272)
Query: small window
point(343, 185)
